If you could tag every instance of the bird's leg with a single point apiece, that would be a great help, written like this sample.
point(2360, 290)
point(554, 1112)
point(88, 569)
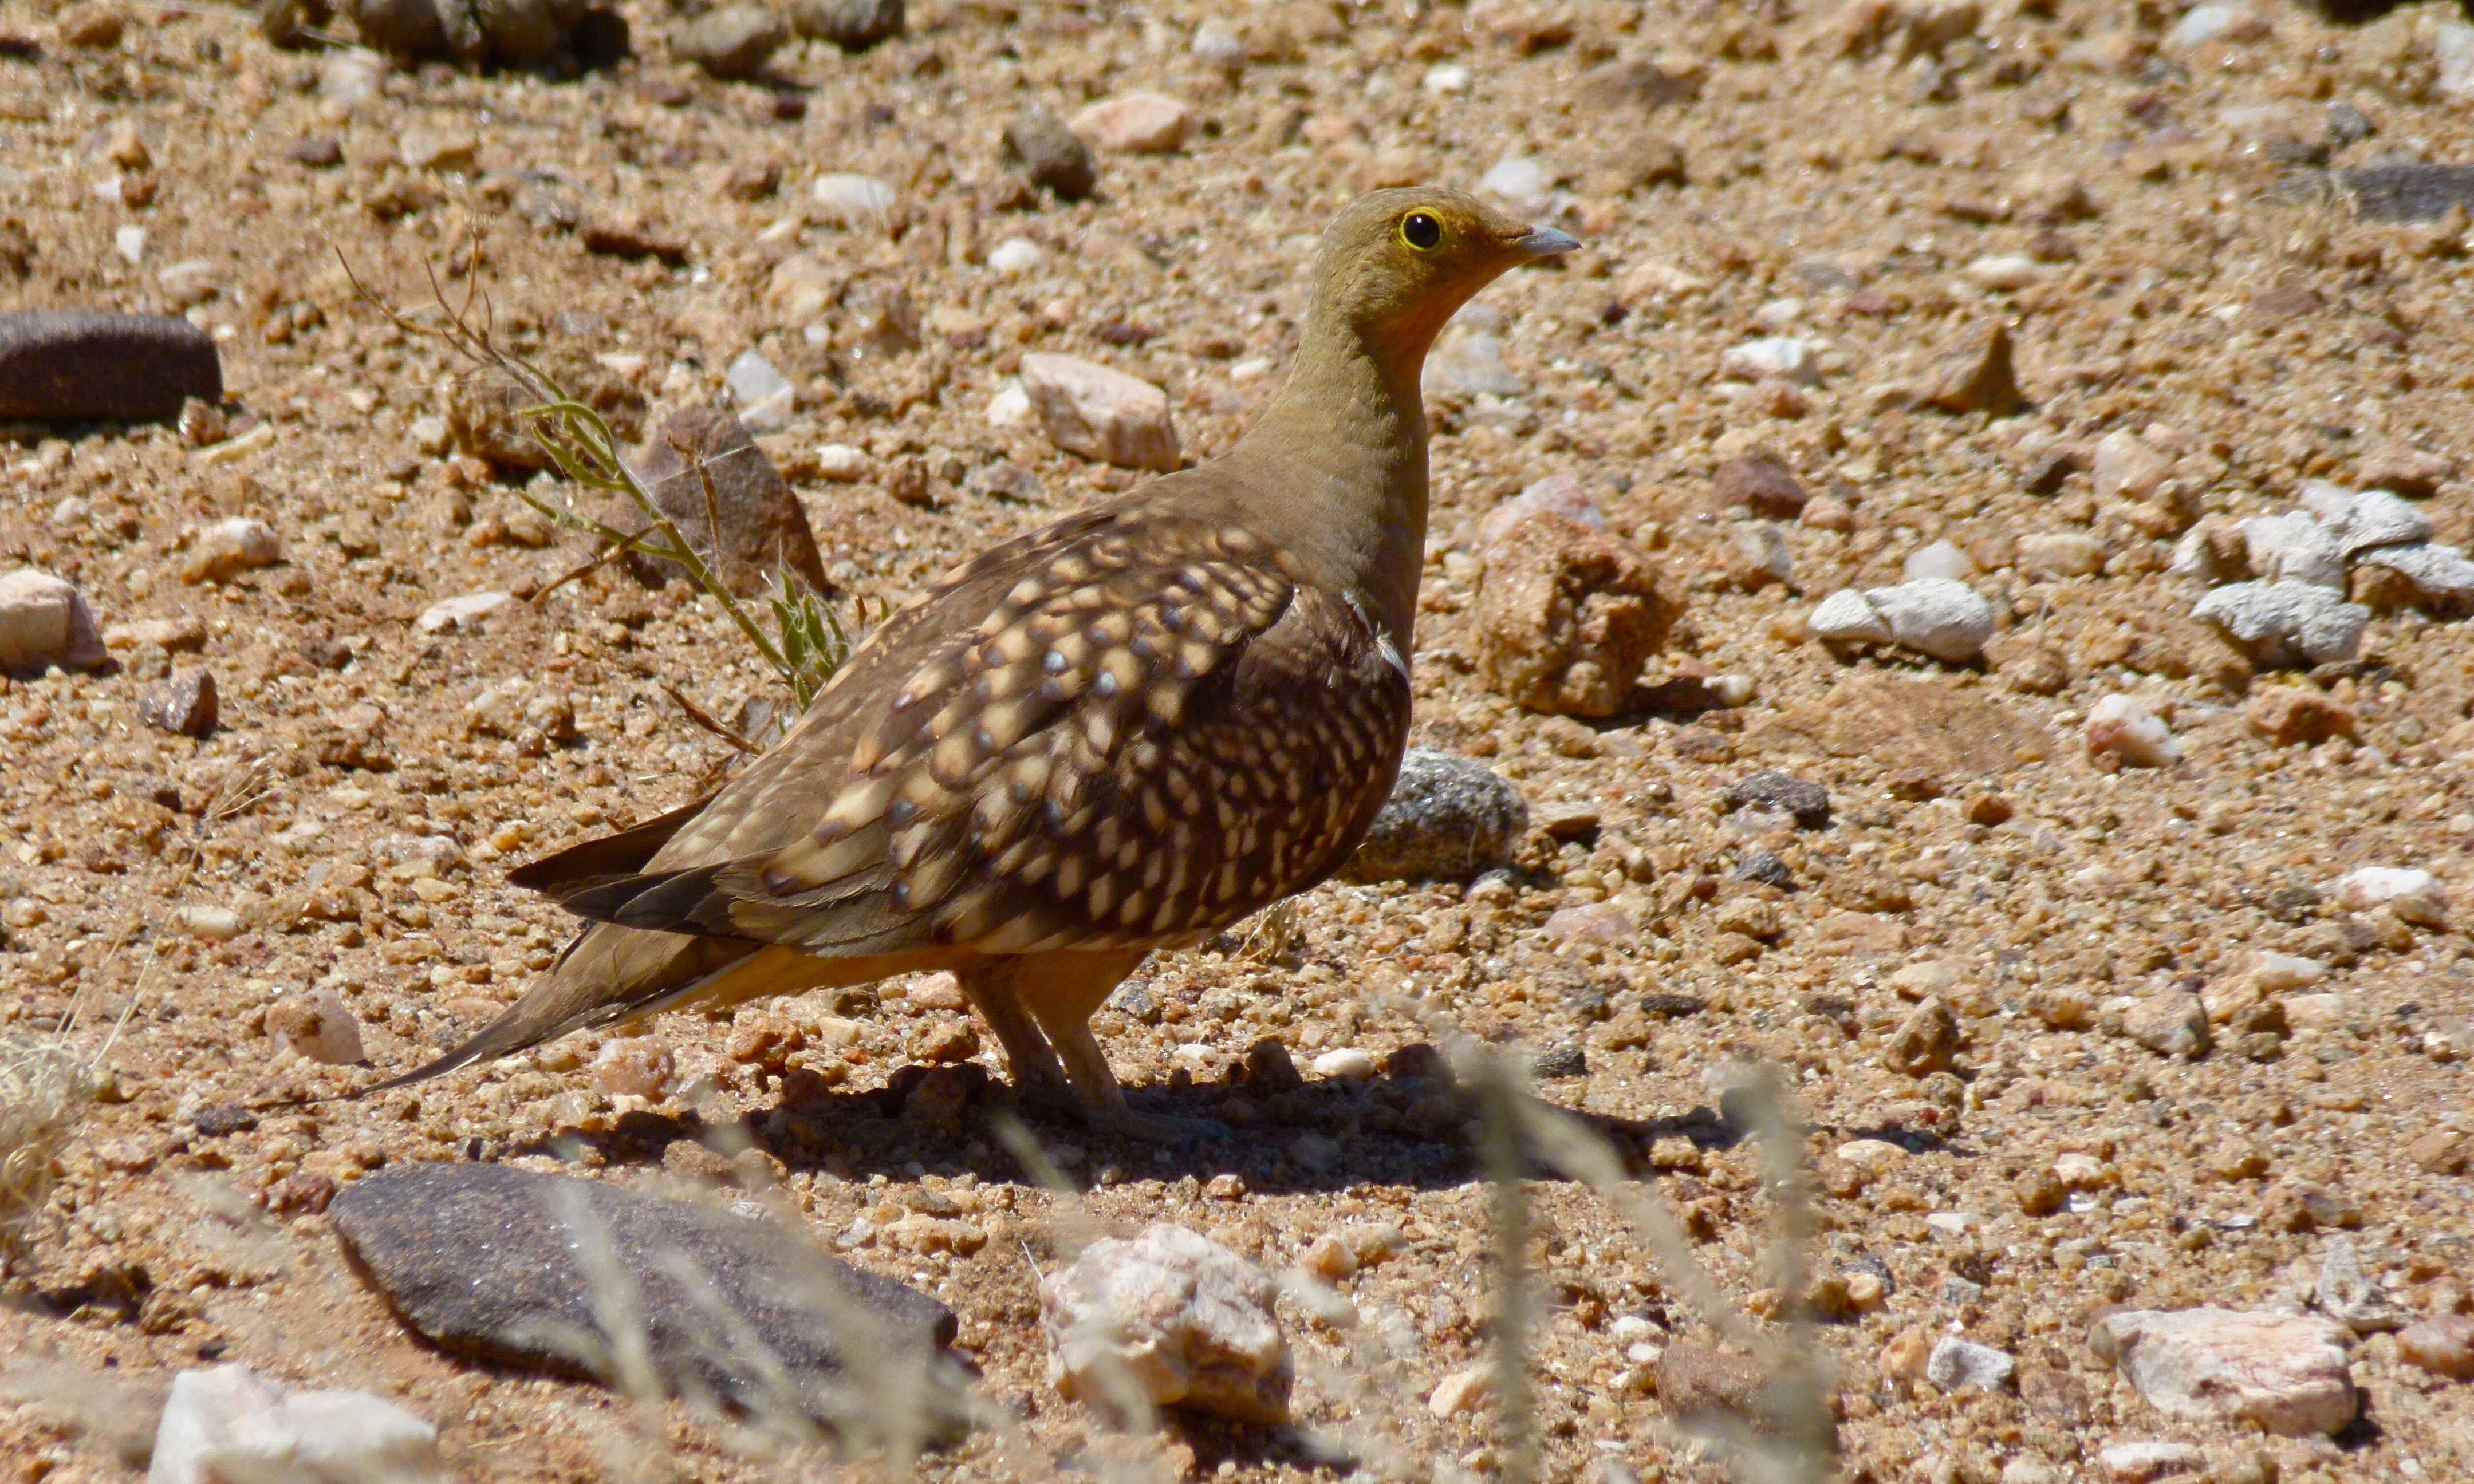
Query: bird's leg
point(1038, 1078)
point(1062, 992)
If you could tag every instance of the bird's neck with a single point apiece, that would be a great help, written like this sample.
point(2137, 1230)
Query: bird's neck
point(1342, 450)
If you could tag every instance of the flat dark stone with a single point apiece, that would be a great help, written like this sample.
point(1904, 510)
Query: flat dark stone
point(493, 1262)
point(763, 530)
point(1449, 818)
point(88, 366)
point(1807, 800)
point(2409, 192)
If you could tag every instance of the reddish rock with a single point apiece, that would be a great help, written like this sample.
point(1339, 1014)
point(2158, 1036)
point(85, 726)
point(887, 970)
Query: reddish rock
point(2443, 1346)
point(1567, 616)
point(2289, 716)
point(1761, 484)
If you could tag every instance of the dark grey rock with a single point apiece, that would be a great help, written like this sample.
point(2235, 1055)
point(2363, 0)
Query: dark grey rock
point(734, 42)
point(853, 24)
point(2348, 124)
point(1564, 1059)
point(1449, 817)
point(477, 33)
point(79, 365)
point(762, 532)
point(184, 704)
point(1052, 156)
point(1766, 869)
point(2409, 192)
point(523, 1269)
point(1808, 802)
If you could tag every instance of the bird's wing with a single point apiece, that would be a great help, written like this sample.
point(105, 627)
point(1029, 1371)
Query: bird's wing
point(608, 859)
point(1131, 730)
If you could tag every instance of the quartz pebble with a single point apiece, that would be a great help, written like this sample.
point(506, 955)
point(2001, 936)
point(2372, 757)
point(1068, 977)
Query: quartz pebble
point(44, 621)
point(2141, 1462)
point(1936, 617)
point(227, 548)
point(2284, 1373)
point(1782, 357)
point(460, 612)
point(2414, 895)
point(1086, 408)
point(2285, 624)
point(635, 1067)
point(853, 200)
point(1137, 123)
point(317, 1026)
point(2123, 733)
point(229, 1424)
point(1180, 1318)
point(1962, 1365)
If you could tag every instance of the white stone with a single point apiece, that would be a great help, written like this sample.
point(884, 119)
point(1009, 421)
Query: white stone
point(1176, 1316)
point(2029, 1469)
point(2451, 47)
point(853, 200)
point(317, 1026)
point(1218, 42)
point(2120, 729)
point(1948, 620)
point(2141, 1462)
point(432, 435)
point(2285, 1374)
point(352, 76)
point(460, 612)
point(1446, 77)
point(206, 921)
point(1086, 408)
point(635, 1067)
point(1941, 560)
point(2413, 894)
point(2294, 548)
point(1347, 1063)
point(1136, 124)
point(2082, 1171)
point(1010, 407)
point(1873, 1155)
point(1962, 1365)
point(1016, 256)
point(2200, 554)
point(44, 621)
point(1556, 494)
point(2004, 275)
point(2202, 24)
point(1462, 1391)
point(2375, 518)
point(1783, 356)
point(2439, 572)
point(2286, 623)
point(230, 1425)
point(1779, 313)
point(1644, 282)
point(843, 463)
point(227, 548)
point(2127, 467)
point(130, 242)
point(2283, 973)
point(1522, 181)
point(2061, 553)
point(763, 395)
point(1845, 617)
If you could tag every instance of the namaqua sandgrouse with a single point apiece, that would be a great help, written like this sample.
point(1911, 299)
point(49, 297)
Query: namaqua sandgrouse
point(1126, 731)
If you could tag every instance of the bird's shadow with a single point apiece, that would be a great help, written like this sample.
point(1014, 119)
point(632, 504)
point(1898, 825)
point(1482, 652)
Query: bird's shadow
point(1321, 1136)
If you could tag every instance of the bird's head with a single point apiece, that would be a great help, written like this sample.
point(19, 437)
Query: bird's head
point(1396, 265)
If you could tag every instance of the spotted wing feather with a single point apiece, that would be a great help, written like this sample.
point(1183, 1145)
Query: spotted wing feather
point(1153, 730)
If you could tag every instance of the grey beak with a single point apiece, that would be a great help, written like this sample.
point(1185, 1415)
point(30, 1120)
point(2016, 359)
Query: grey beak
point(1545, 242)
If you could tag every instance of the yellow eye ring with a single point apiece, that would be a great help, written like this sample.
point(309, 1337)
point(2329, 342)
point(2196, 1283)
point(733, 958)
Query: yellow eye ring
point(1421, 231)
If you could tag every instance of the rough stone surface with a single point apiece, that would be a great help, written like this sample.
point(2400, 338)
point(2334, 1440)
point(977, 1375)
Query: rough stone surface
point(1963, 1365)
point(2411, 192)
point(2410, 892)
point(2285, 624)
point(764, 530)
point(1086, 408)
point(1449, 818)
point(1925, 1041)
point(1802, 797)
point(227, 548)
point(1139, 124)
point(1761, 485)
point(853, 24)
point(75, 364)
point(317, 1025)
point(2123, 733)
point(732, 41)
point(2442, 1345)
point(1568, 617)
point(2170, 1024)
point(1848, 617)
point(1185, 1321)
point(1936, 617)
point(1981, 376)
point(2440, 576)
point(2294, 716)
point(184, 705)
point(2141, 1461)
point(2284, 1373)
point(230, 1425)
point(1052, 155)
point(493, 1262)
point(44, 621)
point(1556, 494)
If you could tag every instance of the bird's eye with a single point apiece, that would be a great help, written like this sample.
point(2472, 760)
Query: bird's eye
point(1420, 231)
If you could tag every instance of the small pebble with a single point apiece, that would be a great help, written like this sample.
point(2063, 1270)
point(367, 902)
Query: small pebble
point(635, 1067)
